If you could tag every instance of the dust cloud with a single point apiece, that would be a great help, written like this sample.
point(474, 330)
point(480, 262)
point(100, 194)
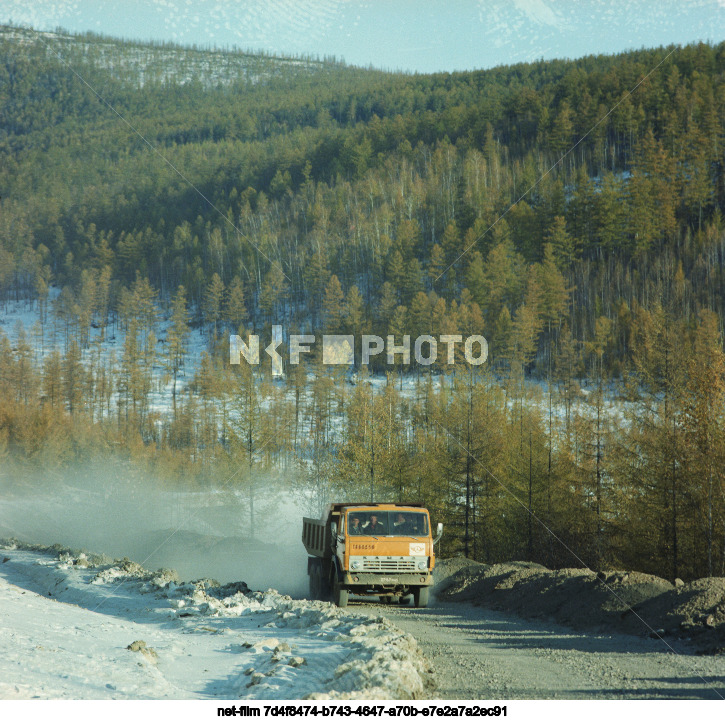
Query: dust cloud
point(199, 533)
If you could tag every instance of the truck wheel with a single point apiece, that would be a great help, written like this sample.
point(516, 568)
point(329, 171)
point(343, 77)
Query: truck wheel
point(420, 596)
point(314, 583)
point(340, 595)
point(324, 587)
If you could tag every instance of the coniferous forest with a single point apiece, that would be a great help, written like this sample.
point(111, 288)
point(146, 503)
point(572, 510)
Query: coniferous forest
point(569, 211)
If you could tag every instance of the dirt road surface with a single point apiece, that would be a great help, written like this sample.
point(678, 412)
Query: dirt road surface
point(483, 654)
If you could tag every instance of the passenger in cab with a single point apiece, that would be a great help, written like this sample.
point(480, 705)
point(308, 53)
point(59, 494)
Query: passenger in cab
point(374, 526)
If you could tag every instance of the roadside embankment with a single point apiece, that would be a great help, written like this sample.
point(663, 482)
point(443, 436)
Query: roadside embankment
point(613, 601)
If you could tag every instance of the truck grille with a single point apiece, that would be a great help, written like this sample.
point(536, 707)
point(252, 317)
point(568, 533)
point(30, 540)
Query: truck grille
point(389, 564)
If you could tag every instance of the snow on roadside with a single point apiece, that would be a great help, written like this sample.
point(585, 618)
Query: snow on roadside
point(79, 625)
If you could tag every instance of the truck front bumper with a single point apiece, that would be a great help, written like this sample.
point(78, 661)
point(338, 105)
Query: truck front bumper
point(388, 582)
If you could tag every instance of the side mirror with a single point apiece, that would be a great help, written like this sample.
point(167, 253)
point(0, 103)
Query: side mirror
point(439, 534)
point(333, 529)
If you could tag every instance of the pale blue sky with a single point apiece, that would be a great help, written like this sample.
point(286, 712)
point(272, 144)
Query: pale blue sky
point(414, 35)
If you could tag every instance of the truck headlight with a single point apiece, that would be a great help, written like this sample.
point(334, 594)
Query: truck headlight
point(355, 564)
point(422, 565)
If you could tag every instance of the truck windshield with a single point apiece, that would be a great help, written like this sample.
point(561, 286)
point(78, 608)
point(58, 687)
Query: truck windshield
point(387, 523)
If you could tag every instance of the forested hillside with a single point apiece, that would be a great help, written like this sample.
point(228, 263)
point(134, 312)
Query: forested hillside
point(570, 211)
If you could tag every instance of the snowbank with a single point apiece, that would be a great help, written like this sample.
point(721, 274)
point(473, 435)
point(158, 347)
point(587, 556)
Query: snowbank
point(248, 644)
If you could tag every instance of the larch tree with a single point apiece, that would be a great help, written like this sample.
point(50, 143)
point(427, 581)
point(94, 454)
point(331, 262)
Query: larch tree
point(704, 423)
point(333, 307)
point(176, 340)
point(212, 303)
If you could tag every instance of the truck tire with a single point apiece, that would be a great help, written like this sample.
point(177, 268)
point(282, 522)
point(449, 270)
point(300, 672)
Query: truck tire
point(340, 595)
point(314, 583)
point(324, 586)
point(420, 596)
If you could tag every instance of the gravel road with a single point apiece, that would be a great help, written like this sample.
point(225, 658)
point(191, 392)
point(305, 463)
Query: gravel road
point(483, 654)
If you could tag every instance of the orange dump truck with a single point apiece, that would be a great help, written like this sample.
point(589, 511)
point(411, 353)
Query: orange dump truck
point(373, 549)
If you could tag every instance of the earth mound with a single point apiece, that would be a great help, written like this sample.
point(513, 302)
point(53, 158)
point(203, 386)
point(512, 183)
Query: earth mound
point(621, 601)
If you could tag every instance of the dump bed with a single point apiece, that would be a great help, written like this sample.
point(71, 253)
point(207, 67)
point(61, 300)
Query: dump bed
point(317, 537)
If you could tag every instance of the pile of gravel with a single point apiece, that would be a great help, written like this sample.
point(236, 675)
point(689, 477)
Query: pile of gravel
point(446, 567)
point(628, 602)
point(695, 611)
